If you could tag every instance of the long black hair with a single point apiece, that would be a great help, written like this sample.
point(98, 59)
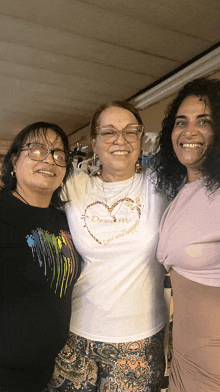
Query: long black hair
point(168, 172)
point(36, 129)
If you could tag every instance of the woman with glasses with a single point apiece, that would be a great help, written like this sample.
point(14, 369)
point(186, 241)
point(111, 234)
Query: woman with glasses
point(118, 309)
point(39, 264)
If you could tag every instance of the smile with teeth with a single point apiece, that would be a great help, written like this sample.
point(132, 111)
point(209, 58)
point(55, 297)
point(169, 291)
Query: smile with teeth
point(46, 172)
point(120, 152)
point(191, 145)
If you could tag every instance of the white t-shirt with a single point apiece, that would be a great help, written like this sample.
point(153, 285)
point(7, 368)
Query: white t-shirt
point(119, 296)
point(190, 235)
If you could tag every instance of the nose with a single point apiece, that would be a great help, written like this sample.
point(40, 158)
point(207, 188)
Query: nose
point(49, 159)
point(191, 130)
point(120, 139)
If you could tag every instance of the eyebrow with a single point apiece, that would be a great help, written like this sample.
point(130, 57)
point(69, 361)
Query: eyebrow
point(199, 116)
point(42, 144)
point(111, 125)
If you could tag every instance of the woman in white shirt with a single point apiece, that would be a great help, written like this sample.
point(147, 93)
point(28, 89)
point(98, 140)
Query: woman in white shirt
point(118, 308)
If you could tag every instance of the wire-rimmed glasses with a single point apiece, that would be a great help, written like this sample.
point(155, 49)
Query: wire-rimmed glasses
point(131, 133)
point(39, 152)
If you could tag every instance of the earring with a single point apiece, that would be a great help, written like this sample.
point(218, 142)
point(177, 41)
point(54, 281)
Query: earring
point(138, 165)
point(13, 173)
point(61, 184)
point(95, 167)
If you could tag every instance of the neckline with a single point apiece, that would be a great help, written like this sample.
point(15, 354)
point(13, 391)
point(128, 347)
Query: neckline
point(193, 182)
point(117, 184)
point(21, 197)
point(26, 205)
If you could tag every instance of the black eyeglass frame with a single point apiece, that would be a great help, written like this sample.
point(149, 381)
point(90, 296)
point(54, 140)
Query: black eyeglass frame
point(49, 150)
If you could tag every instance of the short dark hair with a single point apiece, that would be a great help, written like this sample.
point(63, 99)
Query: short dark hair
point(170, 173)
point(120, 104)
point(35, 129)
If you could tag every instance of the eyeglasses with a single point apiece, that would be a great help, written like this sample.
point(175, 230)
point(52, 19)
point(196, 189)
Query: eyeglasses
point(131, 133)
point(39, 152)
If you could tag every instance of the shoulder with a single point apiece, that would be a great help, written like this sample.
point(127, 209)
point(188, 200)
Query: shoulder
point(149, 179)
point(151, 194)
point(146, 172)
point(78, 184)
point(77, 176)
point(57, 212)
point(4, 197)
point(1, 195)
point(2, 203)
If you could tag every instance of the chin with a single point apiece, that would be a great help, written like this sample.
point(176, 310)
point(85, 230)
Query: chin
point(46, 189)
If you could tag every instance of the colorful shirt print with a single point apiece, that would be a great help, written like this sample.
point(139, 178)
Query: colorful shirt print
point(55, 255)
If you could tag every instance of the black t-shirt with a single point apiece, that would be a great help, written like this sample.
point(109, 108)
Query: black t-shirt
point(38, 268)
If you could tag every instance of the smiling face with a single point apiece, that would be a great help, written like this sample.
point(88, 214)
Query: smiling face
point(118, 158)
point(192, 134)
point(39, 177)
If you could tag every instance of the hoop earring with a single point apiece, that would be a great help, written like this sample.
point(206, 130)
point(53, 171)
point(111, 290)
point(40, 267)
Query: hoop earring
point(13, 174)
point(94, 169)
point(138, 165)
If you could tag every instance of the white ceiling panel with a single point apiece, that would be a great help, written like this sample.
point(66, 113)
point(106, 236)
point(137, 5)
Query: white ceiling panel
point(60, 59)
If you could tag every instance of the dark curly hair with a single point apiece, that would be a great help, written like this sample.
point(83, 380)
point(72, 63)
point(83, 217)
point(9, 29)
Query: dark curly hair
point(167, 172)
point(35, 129)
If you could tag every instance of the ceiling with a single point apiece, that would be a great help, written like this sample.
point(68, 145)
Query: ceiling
point(61, 59)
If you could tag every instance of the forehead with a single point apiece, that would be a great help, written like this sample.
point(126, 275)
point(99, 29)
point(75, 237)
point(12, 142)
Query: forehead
point(194, 105)
point(115, 114)
point(50, 138)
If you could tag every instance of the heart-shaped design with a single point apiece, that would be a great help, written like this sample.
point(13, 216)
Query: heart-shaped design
point(98, 217)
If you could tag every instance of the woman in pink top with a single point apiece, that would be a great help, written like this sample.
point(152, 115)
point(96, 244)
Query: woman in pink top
point(189, 246)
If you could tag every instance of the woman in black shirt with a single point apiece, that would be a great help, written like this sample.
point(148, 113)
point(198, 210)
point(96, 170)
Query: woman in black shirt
point(38, 262)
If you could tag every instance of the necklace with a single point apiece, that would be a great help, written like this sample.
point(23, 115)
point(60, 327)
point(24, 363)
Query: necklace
point(21, 197)
point(118, 201)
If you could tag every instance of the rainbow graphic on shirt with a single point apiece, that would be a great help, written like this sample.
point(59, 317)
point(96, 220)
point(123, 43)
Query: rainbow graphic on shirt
point(55, 255)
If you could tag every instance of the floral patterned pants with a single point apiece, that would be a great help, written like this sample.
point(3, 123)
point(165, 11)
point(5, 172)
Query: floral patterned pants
point(89, 366)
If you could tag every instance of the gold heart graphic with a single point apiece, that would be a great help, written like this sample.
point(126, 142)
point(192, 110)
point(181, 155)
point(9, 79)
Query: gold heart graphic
point(127, 202)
